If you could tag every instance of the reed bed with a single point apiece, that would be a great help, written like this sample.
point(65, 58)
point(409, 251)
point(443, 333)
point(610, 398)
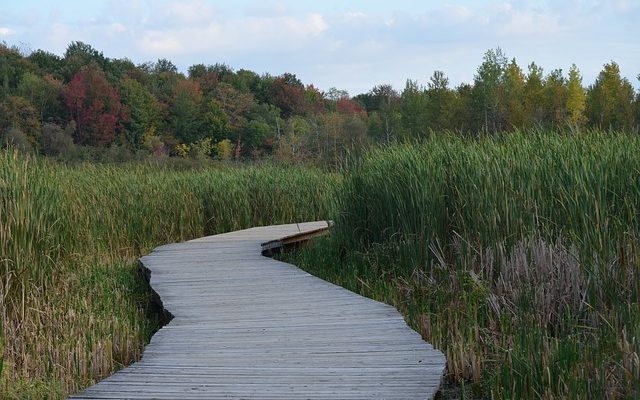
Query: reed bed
point(517, 255)
point(73, 307)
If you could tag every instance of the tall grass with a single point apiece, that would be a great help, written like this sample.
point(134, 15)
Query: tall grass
point(72, 307)
point(518, 256)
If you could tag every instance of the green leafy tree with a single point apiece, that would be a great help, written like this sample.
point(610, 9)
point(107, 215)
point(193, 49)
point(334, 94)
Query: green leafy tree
point(556, 95)
point(144, 112)
point(486, 99)
point(12, 66)
point(463, 109)
point(245, 81)
point(164, 66)
point(610, 100)
point(375, 127)
point(293, 146)
point(217, 124)
point(20, 117)
point(335, 94)
point(47, 63)
point(262, 90)
point(162, 77)
point(440, 103)
point(316, 102)
point(224, 149)
point(185, 119)
point(385, 100)
point(576, 98)
point(354, 137)
point(235, 105)
point(44, 93)
point(118, 69)
point(257, 134)
point(534, 96)
point(512, 92)
point(80, 55)
point(412, 107)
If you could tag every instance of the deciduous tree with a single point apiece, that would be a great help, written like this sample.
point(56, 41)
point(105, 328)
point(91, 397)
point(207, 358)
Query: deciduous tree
point(576, 98)
point(486, 99)
point(556, 95)
point(534, 96)
point(144, 112)
point(95, 107)
point(80, 55)
point(610, 100)
point(412, 108)
point(512, 90)
point(440, 101)
point(185, 119)
point(44, 93)
point(287, 93)
point(19, 115)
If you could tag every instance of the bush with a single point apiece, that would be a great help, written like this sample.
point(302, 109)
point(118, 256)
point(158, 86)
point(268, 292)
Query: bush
point(15, 138)
point(55, 142)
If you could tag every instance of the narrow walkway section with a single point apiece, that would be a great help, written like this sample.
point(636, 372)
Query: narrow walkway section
point(249, 327)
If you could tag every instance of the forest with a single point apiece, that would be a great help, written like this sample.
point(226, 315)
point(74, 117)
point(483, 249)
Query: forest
point(86, 106)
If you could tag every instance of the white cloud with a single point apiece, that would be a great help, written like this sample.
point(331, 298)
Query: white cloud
point(623, 4)
point(527, 23)
point(456, 13)
point(160, 43)
point(60, 35)
point(4, 31)
point(190, 12)
point(354, 17)
point(239, 35)
point(118, 27)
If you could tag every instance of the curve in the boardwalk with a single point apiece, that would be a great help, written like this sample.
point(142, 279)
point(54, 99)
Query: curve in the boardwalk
point(247, 326)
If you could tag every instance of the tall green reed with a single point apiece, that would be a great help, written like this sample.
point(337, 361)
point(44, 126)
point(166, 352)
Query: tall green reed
point(517, 255)
point(72, 307)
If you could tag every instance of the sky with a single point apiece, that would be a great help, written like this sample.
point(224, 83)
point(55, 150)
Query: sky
point(348, 44)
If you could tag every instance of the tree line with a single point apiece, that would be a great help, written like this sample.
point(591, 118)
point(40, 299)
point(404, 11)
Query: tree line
point(83, 104)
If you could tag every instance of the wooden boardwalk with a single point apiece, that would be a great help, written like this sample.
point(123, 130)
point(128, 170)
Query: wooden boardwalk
point(249, 327)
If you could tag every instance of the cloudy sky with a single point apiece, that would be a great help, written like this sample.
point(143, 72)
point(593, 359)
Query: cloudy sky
point(348, 44)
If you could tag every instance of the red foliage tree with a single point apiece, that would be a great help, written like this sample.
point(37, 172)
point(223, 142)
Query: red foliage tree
point(208, 81)
point(347, 106)
point(95, 107)
point(290, 98)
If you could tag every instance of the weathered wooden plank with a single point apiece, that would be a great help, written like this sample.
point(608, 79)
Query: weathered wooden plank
point(246, 326)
